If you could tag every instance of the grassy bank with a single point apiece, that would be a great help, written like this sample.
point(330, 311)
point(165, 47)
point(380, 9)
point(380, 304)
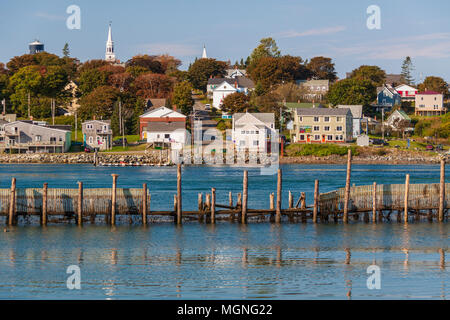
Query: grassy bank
point(318, 150)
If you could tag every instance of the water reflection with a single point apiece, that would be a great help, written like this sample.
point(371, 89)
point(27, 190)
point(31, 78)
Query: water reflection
point(226, 261)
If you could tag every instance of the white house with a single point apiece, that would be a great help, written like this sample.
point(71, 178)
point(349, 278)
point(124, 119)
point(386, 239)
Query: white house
point(235, 72)
point(357, 114)
point(253, 131)
point(407, 92)
point(219, 88)
point(164, 126)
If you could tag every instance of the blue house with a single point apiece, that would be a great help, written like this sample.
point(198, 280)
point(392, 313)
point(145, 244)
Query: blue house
point(388, 97)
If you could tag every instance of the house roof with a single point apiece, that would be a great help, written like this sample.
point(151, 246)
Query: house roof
point(357, 110)
point(35, 125)
point(316, 83)
point(243, 82)
point(323, 112)
point(164, 126)
point(3, 122)
point(294, 105)
point(101, 121)
point(162, 112)
point(156, 103)
point(404, 115)
point(263, 117)
point(429, 92)
point(388, 88)
point(404, 87)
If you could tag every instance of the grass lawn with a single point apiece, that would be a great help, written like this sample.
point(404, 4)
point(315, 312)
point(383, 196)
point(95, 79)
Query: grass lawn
point(130, 138)
point(403, 144)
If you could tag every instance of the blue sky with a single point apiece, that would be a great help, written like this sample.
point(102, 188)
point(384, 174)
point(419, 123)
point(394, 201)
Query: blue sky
point(231, 29)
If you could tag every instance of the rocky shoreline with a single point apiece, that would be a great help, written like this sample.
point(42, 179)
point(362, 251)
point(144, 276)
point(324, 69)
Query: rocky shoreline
point(158, 158)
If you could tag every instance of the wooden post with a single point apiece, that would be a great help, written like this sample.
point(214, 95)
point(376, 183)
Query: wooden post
point(213, 205)
point(175, 208)
point(347, 185)
point(272, 201)
point(279, 192)
point(291, 200)
point(244, 198)
point(239, 200)
point(144, 204)
point(80, 203)
point(303, 201)
point(44, 204)
point(316, 201)
point(179, 199)
point(406, 198)
point(12, 203)
point(230, 199)
point(374, 203)
point(208, 203)
point(114, 199)
point(442, 193)
point(200, 206)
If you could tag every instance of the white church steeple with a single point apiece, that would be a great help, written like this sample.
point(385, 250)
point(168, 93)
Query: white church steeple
point(204, 56)
point(110, 56)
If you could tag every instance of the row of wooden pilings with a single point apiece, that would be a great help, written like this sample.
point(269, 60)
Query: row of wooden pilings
point(242, 200)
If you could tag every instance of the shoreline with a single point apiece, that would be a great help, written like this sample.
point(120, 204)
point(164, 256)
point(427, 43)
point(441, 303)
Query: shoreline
point(155, 158)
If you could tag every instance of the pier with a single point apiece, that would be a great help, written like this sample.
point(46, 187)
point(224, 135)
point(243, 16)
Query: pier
point(370, 203)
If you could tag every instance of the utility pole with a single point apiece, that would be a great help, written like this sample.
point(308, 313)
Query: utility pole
point(382, 121)
point(122, 129)
point(53, 110)
point(4, 106)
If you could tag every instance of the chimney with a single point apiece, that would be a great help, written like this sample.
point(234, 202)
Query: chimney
point(93, 117)
point(174, 107)
point(235, 84)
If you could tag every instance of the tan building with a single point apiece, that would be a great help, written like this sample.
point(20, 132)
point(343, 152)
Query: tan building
point(322, 125)
point(430, 103)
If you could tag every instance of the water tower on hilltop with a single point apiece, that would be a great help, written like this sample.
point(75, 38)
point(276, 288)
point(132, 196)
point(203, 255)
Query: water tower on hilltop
point(36, 47)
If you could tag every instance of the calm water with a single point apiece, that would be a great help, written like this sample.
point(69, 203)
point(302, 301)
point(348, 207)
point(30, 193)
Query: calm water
point(226, 261)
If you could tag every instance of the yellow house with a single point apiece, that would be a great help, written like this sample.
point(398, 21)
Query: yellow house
point(430, 103)
point(322, 125)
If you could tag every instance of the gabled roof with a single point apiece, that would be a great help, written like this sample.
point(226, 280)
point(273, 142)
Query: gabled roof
point(404, 87)
point(388, 88)
point(323, 112)
point(316, 83)
point(164, 126)
point(294, 105)
point(357, 110)
point(101, 121)
point(263, 118)
point(243, 82)
point(35, 125)
point(162, 112)
point(401, 113)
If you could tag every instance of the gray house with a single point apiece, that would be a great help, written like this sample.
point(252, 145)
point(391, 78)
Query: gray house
point(357, 114)
point(97, 134)
point(30, 137)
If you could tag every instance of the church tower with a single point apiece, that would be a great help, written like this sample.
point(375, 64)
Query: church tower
point(110, 56)
point(204, 56)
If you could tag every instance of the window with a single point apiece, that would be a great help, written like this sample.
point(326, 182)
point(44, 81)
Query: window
point(89, 126)
point(327, 128)
point(158, 136)
point(339, 119)
point(243, 132)
point(255, 143)
point(242, 143)
point(91, 139)
point(338, 128)
point(341, 138)
point(326, 119)
point(167, 136)
point(302, 137)
point(316, 119)
point(316, 137)
point(38, 138)
point(330, 138)
point(300, 119)
point(338, 138)
point(316, 128)
point(252, 132)
point(256, 132)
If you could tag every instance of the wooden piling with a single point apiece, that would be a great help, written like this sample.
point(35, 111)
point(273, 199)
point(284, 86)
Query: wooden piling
point(291, 200)
point(244, 198)
point(347, 185)
point(316, 201)
point(12, 203)
point(179, 198)
point(80, 204)
point(144, 204)
point(442, 192)
point(303, 201)
point(200, 207)
point(114, 199)
point(230, 199)
point(406, 198)
point(374, 203)
point(279, 195)
point(272, 201)
point(213, 205)
point(44, 204)
point(239, 200)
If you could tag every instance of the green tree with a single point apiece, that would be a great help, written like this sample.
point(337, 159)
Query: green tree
point(99, 103)
point(66, 51)
point(434, 84)
point(371, 73)
point(267, 48)
point(352, 91)
point(26, 81)
point(202, 69)
point(236, 102)
point(182, 97)
point(322, 68)
point(91, 79)
point(151, 63)
point(407, 69)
